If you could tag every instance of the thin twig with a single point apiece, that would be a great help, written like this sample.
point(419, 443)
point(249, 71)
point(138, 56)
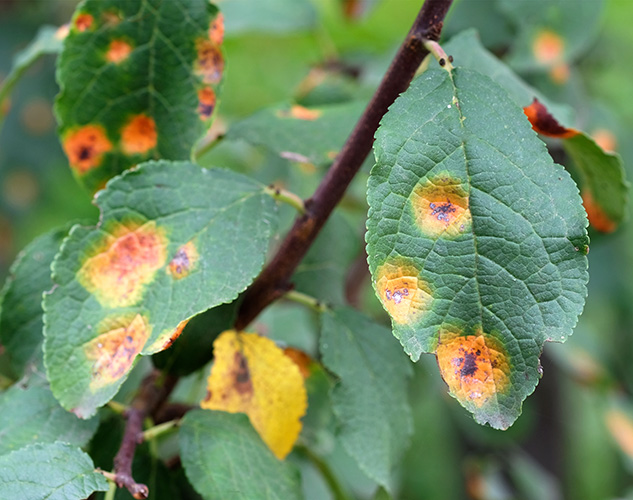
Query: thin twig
point(306, 300)
point(287, 197)
point(274, 281)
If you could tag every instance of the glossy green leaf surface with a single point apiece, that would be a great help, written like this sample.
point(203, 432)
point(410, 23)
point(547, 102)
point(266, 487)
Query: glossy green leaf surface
point(173, 241)
point(477, 241)
point(55, 471)
point(224, 457)
point(33, 415)
point(21, 315)
point(138, 81)
point(370, 401)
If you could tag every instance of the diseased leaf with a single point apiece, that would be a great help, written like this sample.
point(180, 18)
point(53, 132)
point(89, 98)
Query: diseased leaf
point(476, 240)
point(54, 471)
point(224, 457)
point(370, 401)
point(252, 375)
point(138, 81)
point(173, 241)
point(21, 315)
point(268, 16)
point(33, 415)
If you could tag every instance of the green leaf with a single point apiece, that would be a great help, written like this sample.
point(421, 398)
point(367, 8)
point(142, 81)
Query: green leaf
point(224, 457)
point(173, 241)
point(21, 315)
point(55, 471)
point(309, 135)
point(33, 415)
point(476, 240)
point(138, 81)
point(268, 16)
point(370, 402)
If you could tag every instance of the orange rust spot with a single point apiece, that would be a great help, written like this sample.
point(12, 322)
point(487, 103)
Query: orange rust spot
point(440, 206)
point(597, 217)
point(402, 293)
point(114, 351)
point(206, 102)
point(548, 47)
point(216, 29)
point(85, 147)
point(476, 367)
point(83, 22)
point(184, 261)
point(620, 426)
point(300, 113)
point(139, 135)
point(210, 62)
point(123, 263)
point(301, 359)
point(560, 73)
point(118, 51)
point(606, 140)
point(544, 123)
point(111, 18)
point(167, 338)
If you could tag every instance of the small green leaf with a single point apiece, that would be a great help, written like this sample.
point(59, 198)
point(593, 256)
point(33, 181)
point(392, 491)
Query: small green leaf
point(138, 81)
point(224, 457)
point(476, 240)
point(33, 415)
point(268, 16)
point(21, 315)
point(370, 402)
point(55, 471)
point(173, 241)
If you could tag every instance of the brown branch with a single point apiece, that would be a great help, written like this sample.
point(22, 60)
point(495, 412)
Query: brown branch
point(274, 280)
point(153, 392)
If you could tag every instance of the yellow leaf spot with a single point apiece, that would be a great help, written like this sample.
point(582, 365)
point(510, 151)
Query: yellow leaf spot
point(300, 113)
point(62, 31)
point(184, 261)
point(252, 375)
point(560, 73)
point(139, 135)
point(620, 426)
point(440, 207)
point(85, 147)
point(606, 140)
point(548, 47)
point(114, 351)
point(118, 51)
point(123, 263)
point(210, 62)
point(598, 219)
point(475, 367)
point(402, 293)
point(216, 29)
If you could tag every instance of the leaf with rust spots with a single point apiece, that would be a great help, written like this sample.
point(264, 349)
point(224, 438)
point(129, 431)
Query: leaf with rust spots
point(251, 375)
point(165, 250)
point(544, 123)
point(474, 231)
point(130, 76)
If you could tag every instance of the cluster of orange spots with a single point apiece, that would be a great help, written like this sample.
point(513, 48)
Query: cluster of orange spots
point(402, 293)
point(139, 135)
point(167, 338)
point(300, 113)
point(118, 51)
point(440, 206)
point(549, 50)
point(85, 147)
point(216, 29)
point(123, 263)
point(114, 351)
point(544, 123)
point(597, 217)
point(206, 102)
point(184, 261)
point(301, 359)
point(210, 62)
point(475, 367)
point(83, 21)
point(605, 139)
point(620, 426)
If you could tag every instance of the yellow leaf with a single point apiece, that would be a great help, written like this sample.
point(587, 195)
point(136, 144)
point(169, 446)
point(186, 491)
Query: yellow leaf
point(252, 375)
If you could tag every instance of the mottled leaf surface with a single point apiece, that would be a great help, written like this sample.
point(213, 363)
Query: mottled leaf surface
point(476, 239)
point(174, 240)
point(21, 315)
point(54, 471)
point(33, 415)
point(224, 457)
point(138, 81)
point(370, 401)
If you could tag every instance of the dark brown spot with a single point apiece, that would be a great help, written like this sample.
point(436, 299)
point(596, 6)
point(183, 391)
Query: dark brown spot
point(243, 383)
point(469, 366)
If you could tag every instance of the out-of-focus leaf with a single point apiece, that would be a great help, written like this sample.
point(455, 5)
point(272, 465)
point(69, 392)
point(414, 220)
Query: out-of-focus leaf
point(476, 240)
point(224, 457)
point(252, 375)
point(173, 241)
point(484, 16)
point(54, 471)
point(21, 314)
point(138, 81)
point(267, 16)
point(370, 401)
point(531, 480)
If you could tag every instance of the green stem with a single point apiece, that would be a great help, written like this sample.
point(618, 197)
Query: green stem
point(160, 429)
point(306, 300)
point(438, 52)
point(111, 491)
point(286, 197)
point(205, 148)
point(323, 467)
point(116, 407)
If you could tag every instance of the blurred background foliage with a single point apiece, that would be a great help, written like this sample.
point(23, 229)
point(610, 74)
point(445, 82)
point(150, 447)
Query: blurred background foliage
point(575, 437)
